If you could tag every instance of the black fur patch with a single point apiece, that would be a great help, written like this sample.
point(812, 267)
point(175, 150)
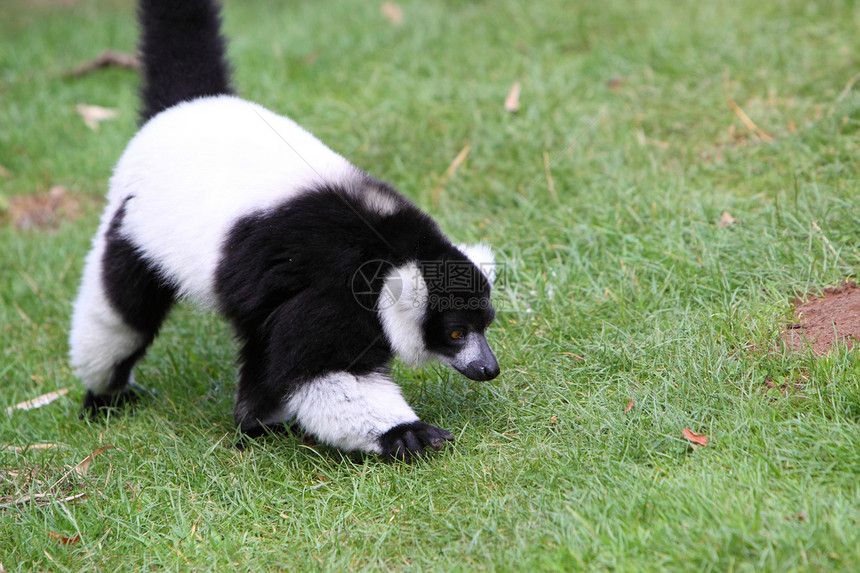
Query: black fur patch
point(134, 288)
point(285, 281)
point(182, 53)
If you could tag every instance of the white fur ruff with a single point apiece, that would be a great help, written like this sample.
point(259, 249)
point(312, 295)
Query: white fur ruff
point(402, 306)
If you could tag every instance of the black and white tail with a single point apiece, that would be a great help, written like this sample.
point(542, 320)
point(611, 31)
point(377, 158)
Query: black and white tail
point(183, 53)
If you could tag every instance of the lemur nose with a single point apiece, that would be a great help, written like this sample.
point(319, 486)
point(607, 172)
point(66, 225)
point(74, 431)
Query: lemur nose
point(491, 372)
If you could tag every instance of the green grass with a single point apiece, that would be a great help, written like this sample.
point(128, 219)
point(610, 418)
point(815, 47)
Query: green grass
point(618, 283)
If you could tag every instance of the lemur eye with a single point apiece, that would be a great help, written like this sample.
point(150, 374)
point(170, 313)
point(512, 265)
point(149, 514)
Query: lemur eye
point(456, 334)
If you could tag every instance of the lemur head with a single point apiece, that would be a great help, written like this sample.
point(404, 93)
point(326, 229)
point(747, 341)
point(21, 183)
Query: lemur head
point(441, 309)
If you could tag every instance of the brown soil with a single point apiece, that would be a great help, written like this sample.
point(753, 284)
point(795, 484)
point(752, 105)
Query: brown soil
point(43, 210)
point(821, 322)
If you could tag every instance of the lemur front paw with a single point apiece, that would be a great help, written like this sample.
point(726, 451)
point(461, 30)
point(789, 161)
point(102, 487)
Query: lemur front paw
point(407, 441)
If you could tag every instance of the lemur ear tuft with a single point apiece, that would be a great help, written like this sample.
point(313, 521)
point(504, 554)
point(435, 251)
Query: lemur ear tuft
point(482, 256)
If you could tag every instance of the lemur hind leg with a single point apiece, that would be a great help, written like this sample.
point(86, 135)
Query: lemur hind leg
point(120, 307)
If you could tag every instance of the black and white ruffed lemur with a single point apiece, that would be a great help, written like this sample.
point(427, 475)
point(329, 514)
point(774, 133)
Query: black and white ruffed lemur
point(222, 202)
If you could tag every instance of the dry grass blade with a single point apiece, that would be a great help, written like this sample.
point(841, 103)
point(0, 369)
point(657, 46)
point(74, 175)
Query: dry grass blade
point(461, 157)
point(106, 59)
point(83, 466)
point(94, 114)
point(645, 140)
point(21, 449)
point(748, 122)
point(42, 400)
point(825, 239)
point(75, 497)
point(81, 469)
point(576, 357)
point(630, 405)
point(512, 102)
point(847, 89)
point(39, 496)
point(548, 172)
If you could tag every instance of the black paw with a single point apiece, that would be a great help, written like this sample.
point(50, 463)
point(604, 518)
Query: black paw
point(407, 441)
point(95, 404)
point(251, 430)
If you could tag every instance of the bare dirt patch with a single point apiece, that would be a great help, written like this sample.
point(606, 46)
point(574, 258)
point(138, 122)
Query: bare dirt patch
point(42, 210)
point(822, 322)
